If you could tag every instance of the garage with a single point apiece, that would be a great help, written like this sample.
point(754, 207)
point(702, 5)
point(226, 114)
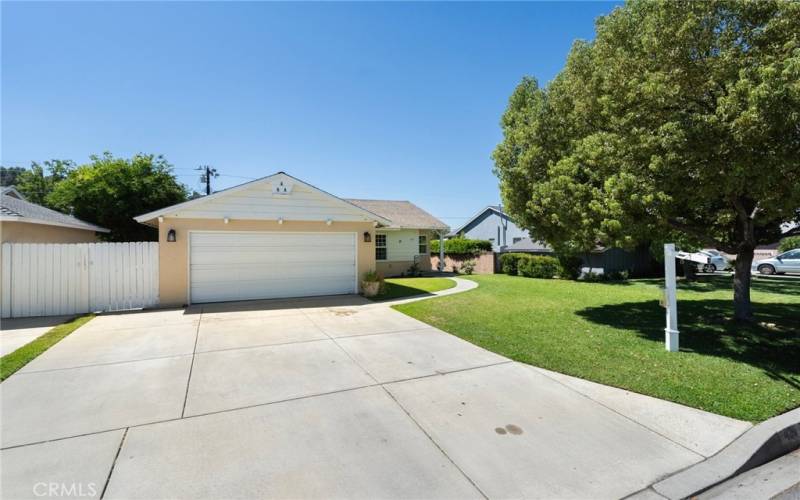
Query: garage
point(229, 265)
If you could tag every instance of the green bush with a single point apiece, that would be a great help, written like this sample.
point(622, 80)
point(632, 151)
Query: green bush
point(570, 266)
point(508, 262)
point(789, 243)
point(538, 266)
point(462, 246)
point(468, 267)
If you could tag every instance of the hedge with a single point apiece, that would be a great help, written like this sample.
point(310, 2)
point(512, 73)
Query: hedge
point(462, 246)
point(530, 266)
point(789, 243)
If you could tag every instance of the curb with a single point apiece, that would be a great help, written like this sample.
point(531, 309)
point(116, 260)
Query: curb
point(760, 444)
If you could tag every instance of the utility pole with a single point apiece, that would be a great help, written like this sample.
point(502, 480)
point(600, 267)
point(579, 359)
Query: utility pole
point(206, 174)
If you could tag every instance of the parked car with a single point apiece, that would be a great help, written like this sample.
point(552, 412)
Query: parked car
point(716, 261)
point(787, 262)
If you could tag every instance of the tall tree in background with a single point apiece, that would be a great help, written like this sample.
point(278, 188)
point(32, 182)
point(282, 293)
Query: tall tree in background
point(111, 191)
point(40, 180)
point(8, 175)
point(680, 119)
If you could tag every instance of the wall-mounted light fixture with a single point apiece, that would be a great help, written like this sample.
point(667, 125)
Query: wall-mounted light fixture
point(367, 237)
point(280, 220)
point(329, 222)
point(171, 236)
point(226, 220)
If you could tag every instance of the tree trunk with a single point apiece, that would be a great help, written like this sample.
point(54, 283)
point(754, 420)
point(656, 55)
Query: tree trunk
point(743, 309)
point(689, 270)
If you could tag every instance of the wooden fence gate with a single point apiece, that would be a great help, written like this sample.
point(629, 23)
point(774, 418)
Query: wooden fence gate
point(47, 279)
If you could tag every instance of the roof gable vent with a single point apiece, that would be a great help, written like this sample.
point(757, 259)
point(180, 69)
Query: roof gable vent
point(282, 186)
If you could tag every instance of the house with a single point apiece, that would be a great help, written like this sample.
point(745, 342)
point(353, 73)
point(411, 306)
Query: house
point(278, 237)
point(24, 222)
point(494, 225)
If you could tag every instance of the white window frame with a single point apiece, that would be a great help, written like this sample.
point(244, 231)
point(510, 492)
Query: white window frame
point(384, 246)
point(423, 243)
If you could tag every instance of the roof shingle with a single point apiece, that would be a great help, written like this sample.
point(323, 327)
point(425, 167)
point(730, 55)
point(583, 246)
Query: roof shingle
point(14, 207)
point(403, 214)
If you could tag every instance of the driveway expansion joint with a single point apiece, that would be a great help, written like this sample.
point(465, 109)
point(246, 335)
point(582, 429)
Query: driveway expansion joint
point(114, 463)
point(191, 365)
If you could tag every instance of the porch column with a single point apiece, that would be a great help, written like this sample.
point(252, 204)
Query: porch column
point(441, 251)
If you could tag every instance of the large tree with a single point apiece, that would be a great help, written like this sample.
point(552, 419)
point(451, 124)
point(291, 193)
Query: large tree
point(111, 191)
point(680, 120)
point(40, 180)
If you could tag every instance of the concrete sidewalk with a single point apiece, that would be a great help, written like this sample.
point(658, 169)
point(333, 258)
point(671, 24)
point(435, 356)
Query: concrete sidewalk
point(16, 332)
point(325, 397)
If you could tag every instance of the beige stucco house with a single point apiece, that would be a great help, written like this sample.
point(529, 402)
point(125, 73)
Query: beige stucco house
point(280, 237)
point(24, 222)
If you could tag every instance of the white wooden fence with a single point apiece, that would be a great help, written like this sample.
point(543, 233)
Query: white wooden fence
point(46, 279)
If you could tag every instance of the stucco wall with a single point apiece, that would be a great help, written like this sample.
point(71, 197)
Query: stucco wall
point(174, 257)
point(25, 232)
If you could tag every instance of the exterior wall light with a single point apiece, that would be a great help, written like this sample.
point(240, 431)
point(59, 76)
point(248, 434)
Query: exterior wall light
point(329, 222)
point(226, 220)
point(367, 237)
point(280, 220)
point(171, 236)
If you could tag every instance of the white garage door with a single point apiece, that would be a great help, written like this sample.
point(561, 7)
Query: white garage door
point(241, 266)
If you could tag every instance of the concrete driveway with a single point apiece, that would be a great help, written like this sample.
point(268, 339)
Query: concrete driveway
point(326, 397)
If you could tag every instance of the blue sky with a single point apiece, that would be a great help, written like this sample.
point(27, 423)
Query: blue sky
point(370, 100)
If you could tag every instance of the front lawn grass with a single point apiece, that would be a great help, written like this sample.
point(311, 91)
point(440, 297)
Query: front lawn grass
point(614, 334)
point(395, 288)
point(13, 361)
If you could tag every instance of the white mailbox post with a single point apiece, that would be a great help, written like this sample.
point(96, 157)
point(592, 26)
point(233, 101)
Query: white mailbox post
point(670, 289)
point(670, 299)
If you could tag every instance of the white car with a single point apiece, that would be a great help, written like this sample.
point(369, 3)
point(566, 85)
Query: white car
point(716, 261)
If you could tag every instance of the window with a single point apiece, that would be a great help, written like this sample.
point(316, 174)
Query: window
point(380, 247)
point(517, 239)
point(423, 244)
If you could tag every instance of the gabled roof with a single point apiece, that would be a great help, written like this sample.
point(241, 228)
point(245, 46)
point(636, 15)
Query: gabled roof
point(489, 208)
point(12, 191)
point(14, 209)
point(402, 214)
point(149, 217)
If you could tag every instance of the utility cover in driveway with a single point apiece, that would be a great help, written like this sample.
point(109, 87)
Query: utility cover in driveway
point(266, 265)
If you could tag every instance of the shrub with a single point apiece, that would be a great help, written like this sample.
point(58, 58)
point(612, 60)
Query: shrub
point(538, 266)
point(570, 266)
point(468, 267)
point(462, 246)
point(508, 262)
point(789, 243)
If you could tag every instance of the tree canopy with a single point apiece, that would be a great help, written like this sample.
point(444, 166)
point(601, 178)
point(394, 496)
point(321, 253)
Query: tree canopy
point(110, 191)
point(681, 120)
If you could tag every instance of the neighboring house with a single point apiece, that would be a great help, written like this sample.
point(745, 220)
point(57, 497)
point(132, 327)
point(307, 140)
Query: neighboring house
point(494, 225)
point(24, 222)
point(280, 237)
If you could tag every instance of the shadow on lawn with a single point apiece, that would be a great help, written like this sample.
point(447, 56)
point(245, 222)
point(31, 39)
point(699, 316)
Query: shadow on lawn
point(725, 283)
point(706, 328)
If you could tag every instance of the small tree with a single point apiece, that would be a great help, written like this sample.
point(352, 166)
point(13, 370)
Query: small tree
point(680, 119)
point(110, 191)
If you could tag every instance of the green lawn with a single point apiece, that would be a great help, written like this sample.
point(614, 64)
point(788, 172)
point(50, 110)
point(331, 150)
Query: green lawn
point(395, 288)
point(13, 361)
point(614, 334)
